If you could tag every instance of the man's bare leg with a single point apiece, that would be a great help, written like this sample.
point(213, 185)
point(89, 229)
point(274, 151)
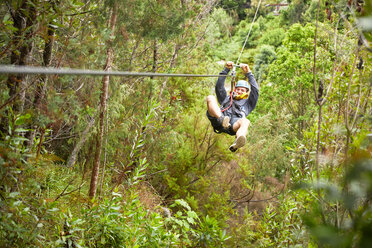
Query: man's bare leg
point(213, 108)
point(241, 129)
point(215, 111)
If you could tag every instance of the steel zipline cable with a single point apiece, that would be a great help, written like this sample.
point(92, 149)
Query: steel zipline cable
point(250, 29)
point(8, 69)
point(12, 69)
point(233, 72)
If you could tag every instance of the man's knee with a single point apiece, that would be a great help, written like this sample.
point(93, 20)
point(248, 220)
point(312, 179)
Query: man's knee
point(210, 98)
point(243, 122)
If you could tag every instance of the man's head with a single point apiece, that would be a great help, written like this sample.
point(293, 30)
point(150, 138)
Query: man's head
point(242, 87)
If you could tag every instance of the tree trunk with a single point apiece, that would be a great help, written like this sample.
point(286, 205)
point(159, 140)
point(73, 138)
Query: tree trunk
point(316, 96)
point(318, 142)
point(88, 158)
point(171, 65)
point(105, 84)
point(43, 80)
point(105, 156)
point(83, 138)
point(133, 54)
point(47, 58)
point(40, 143)
point(349, 124)
point(155, 58)
point(23, 19)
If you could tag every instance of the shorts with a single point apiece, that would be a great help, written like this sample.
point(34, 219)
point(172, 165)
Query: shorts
point(218, 126)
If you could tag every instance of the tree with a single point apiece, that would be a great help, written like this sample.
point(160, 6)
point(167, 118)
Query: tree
point(237, 7)
point(23, 14)
point(294, 13)
point(290, 77)
point(103, 104)
point(262, 60)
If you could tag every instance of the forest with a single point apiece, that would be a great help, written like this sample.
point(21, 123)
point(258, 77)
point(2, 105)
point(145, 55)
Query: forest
point(133, 161)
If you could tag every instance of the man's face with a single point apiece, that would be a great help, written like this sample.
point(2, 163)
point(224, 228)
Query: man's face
point(240, 90)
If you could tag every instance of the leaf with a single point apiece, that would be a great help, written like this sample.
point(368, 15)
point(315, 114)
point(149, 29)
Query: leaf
point(183, 203)
point(41, 236)
point(17, 139)
point(6, 17)
point(193, 215)
point(21, 120)
point(117, 208)
point(78, 4)
point(14, 194)
point(53, 26)
point(53, 210)
point(190, 220)
point(116, 194)
point(21, 130)
point(179, 222)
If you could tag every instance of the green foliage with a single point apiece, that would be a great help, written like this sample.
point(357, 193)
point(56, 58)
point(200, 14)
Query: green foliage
point(219, 28)
point(290, 76)
point(311, 13)
point(154, 19)
point(116, 222)
point(14, 152)
point(24, 217)
point(242, 32)
point(273, 38)
point(25, 222)
point(123, 222)
point(194, 231)
point(295, 11)
point(189, 161)
point(262, 60)
point(210, 234)
point(235, 7)
point(351, 224)
point(282, 226)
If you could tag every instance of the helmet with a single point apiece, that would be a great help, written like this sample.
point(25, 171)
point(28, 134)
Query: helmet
point(243, 83)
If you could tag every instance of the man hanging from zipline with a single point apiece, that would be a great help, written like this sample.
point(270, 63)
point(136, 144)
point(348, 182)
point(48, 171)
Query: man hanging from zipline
point(231, 116)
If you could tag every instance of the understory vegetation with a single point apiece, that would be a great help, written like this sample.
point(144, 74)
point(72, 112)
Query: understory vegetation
point(99, 161)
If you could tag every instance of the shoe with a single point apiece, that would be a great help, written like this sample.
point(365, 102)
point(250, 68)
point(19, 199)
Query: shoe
point(239, 142)
point(224, 121)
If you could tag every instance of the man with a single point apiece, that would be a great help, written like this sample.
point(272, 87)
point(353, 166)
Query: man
point(231, 118)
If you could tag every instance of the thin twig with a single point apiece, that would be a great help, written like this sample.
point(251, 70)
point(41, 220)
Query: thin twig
point(64, 190)
point(16, 95)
